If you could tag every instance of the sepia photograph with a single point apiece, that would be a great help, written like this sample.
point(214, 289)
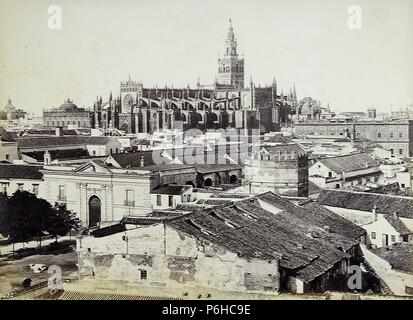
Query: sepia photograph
point(210, 151)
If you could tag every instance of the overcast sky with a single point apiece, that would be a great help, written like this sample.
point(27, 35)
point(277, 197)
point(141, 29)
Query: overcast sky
point(159, 41)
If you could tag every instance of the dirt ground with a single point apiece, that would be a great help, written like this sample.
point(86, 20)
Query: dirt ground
point(15, 268)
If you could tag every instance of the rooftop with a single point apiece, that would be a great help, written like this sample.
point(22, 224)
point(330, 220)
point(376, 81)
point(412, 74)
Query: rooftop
point(35, 141)
point(399, 256)
point(171, 189)
point(350, 162)
point(17, 171)
point(244, 227)
point(397, 224)
point(363, 201)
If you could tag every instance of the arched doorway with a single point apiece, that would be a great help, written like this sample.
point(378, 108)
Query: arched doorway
point(190, 183)
point(233, 179)
point(94, 211)
point(208, 182)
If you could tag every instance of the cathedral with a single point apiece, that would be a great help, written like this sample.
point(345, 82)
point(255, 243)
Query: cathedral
point(228, 103)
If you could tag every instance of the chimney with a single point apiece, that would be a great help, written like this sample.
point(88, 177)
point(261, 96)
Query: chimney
point(375, 214)
point(142, 162)
point(58, 131)
point(47, 158)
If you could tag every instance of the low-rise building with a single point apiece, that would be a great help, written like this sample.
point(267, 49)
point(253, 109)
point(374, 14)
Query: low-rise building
point(61, 147)
point(170, 196)
point(263, 244)
point(14, 177)
point(387, 230)
point(97, 193)
point(8, 147)
point(344, 171)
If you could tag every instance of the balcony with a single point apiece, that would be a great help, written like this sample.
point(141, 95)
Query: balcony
point(129, 203)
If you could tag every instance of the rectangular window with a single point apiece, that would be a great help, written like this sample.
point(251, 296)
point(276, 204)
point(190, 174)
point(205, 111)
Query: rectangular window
point(330, 174)
point(379, 135)
point(400, 134)
point(158, 200)
point(36, 189)
point(400, 151)
point(7, 157)
point(393, 238)
point(20, 186)
point(143, 274)
point(170, 201)
point(392, 151)
point(129, 198)
point(373, 235)
point(61, 192)
point(391, 135)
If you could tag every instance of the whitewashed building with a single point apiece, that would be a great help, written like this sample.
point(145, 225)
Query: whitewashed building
point(97, 193)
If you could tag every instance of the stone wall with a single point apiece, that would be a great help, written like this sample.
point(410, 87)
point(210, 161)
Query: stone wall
point(173, 259)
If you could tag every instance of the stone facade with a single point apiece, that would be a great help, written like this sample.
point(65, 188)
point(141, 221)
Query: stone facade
point(278, 169)
point(227, 103)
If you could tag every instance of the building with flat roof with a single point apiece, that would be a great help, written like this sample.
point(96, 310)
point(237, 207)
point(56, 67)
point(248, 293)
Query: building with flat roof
point(396, 136)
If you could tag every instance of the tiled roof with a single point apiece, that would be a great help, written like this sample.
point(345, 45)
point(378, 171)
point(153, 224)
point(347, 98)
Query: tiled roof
point(292, 147)
point(171, 189)
point(133, 159)
point(399, 256)
point(348, 163)
point(32, 142)
point(252, 232)
point(167, 167)
point(64, 132)
point(210, 168)
point(364, 201)
point(6, 136)
point(397, 224)
point(316, 214)
point(18, 171)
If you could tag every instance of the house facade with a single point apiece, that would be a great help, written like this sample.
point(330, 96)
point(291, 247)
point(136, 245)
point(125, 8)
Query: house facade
point(98, 195)
point(344, 171)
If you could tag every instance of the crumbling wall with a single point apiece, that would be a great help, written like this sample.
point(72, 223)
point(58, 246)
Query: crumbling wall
point(172, 258)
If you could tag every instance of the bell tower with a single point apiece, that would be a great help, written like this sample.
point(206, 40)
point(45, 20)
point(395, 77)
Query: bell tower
point(230, 66)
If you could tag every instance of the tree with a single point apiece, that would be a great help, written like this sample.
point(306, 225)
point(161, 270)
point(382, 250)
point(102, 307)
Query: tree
point(61, 221)
point(28, 216)
point(23, 217)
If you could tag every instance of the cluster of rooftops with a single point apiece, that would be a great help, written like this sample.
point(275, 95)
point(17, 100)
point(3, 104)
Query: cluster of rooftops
point(306, 238)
